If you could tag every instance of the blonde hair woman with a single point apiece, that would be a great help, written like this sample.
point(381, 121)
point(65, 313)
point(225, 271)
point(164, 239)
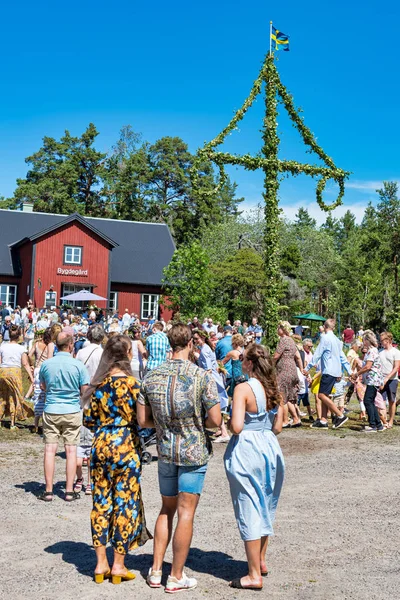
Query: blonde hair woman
point(287, 358)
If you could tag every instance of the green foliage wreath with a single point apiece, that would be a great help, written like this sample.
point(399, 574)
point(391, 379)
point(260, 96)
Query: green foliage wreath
point(273, 167)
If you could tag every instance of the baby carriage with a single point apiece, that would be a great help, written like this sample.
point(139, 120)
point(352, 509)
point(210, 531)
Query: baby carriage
point(147, 437)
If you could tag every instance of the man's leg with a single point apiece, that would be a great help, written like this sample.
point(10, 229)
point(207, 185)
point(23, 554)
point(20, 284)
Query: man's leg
point(328, 404)
point(187, 504)
point(70, 451)
point(163, 530)
point(49, 465)
point(391, 391)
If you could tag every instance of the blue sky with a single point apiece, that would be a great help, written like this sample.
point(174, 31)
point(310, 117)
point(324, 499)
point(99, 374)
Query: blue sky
point(182, 68)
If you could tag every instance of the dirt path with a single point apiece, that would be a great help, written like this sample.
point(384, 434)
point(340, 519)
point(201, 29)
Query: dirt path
point(336, 530)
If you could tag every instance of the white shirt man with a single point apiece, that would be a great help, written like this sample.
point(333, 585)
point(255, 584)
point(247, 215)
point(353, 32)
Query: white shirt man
point(126, 320)
point(91, 354)
point(390, 359)
point(209, 326)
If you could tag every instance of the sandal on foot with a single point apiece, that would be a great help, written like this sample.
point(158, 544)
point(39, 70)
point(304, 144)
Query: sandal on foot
point(264, 573)
point(78, 484)
point(88, 490)
point(237, 584)
point(71, 496)
point(100, 577)
point(46, 496)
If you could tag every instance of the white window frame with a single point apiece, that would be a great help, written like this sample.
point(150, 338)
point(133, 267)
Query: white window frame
point(152, 301)
point(113, 301)
point(45, 298)
point(6, 298)
point(73, 249)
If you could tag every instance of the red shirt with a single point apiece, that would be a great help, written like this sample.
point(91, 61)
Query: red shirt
point(348, 335)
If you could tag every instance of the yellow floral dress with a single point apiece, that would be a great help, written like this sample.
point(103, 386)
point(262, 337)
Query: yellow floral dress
point(117, 515)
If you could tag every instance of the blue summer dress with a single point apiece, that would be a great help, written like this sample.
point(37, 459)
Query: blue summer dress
point(255, 469)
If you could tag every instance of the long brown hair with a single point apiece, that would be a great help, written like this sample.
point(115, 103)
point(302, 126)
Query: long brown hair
point(204, 336)
point(115, 356)
point(264, 371)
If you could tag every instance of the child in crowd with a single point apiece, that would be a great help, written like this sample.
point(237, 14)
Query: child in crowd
point(339, 392)
point(83, 454)
point(303, 395)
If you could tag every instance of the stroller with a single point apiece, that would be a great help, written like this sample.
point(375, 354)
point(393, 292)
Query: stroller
point(147, 437)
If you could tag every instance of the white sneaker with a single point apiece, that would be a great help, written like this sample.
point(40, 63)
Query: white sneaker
point(222, 439)
point(180, 585)
point(154, 578)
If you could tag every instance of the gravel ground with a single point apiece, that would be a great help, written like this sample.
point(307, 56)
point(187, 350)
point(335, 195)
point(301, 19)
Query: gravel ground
point(336, 531)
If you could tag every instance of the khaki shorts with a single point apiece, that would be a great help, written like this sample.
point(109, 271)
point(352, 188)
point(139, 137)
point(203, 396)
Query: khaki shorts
point(339, 401)
point(66, 426)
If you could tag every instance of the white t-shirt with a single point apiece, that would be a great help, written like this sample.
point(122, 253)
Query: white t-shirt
point(11, 354)
point(90, 356)
point(126, 320)
point(388, 358)
point(302, 382)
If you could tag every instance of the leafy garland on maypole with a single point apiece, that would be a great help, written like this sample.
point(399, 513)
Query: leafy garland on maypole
point(273, 167)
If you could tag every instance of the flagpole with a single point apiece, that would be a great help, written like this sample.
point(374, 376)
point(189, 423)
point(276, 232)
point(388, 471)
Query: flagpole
point(270, 38)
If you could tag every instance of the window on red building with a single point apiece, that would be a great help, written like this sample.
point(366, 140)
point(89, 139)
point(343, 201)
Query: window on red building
point(8, 295)
point(72, 255)
point(149, 306)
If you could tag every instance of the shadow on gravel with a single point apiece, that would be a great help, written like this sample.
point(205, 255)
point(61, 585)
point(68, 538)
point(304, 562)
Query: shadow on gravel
point(35, 488)
point(218, 564)
point(79, 554)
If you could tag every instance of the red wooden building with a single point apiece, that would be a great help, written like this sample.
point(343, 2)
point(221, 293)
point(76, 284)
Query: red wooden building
point(45, 257)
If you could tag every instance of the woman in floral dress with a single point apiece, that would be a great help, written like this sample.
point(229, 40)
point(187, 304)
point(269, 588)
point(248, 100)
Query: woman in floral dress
point(117, 514)
point(287, 358)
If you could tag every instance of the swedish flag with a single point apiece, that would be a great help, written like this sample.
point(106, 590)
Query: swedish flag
point(280, 39)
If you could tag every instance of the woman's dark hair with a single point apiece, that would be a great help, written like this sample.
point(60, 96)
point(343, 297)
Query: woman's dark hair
point(115, 356)
point(264, 371)
point(15, 332)
point(47, 336)
point(204, 336)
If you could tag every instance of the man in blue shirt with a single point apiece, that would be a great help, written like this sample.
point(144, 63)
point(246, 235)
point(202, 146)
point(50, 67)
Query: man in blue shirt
point(256, 329)
point(333, 361)
point(63, 378)
point(223, 347)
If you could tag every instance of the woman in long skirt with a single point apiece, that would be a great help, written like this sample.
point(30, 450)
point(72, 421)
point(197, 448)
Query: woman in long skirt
point(118, 514)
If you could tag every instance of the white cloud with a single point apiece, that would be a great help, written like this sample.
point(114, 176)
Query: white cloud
point(290, 210)
point(367, 186)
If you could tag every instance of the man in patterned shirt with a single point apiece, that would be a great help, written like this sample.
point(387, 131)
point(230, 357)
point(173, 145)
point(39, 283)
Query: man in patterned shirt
point(180, 400)
point(157, 347)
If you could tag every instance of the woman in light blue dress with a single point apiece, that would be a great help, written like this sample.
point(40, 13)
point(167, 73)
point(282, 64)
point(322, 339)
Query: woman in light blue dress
point(253, 460)
point(208, 361)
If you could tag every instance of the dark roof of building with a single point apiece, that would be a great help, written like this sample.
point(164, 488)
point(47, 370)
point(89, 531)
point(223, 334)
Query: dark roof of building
point(74, 217)
point(143, 249)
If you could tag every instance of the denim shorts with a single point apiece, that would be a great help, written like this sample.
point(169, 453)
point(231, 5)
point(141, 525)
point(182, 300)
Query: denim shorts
point(173, 479)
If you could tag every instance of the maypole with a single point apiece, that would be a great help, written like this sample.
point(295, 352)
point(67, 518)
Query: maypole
point(273, 167)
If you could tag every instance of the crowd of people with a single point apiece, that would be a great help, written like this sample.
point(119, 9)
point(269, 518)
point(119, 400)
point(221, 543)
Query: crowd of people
point(98, 382)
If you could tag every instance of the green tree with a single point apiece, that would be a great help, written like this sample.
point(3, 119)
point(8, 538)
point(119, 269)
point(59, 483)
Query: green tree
point(65, 176)
point(303, 219)
point(186, 280)
point(239, 284)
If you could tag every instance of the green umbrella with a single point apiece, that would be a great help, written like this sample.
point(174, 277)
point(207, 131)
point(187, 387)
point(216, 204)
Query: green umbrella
point(309, 317)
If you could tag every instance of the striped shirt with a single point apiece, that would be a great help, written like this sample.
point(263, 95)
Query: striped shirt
point(157, 346)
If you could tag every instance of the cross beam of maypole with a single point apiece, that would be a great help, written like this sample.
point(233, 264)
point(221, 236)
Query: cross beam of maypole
point(273, 167)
